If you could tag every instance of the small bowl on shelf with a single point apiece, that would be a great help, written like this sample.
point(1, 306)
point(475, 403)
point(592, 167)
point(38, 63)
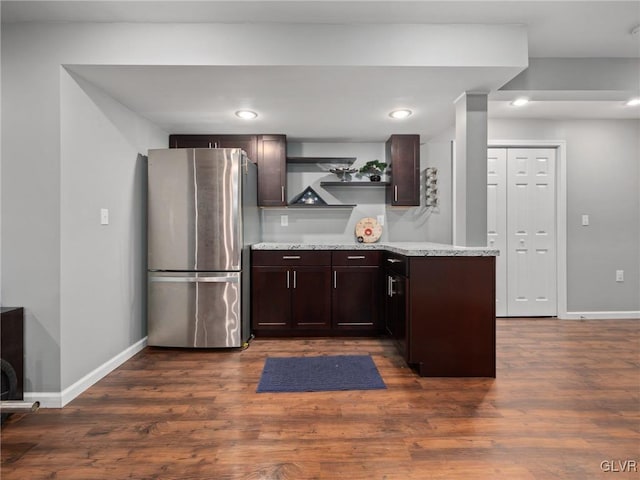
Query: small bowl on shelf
point(343, 173)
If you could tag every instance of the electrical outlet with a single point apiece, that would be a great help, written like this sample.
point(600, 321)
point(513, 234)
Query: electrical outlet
point(104, 216)
point(284, 220)
point(381, 219)
point(619, 275)
point(585, 220)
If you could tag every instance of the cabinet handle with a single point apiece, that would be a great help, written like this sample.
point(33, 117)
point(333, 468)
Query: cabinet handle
point(395, 193)
point(356, 257)
point(282, 193)
point(209, 144)
point(287, 278)
point(391, 281)
point(291, 257)
point(294, 279)
point(393, 260)
point(335, 279)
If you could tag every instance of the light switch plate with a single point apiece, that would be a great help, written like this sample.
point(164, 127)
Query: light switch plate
point(284, 220)
point(619, 275)
point(104, 216)
point(380, 219)
point(585, 220)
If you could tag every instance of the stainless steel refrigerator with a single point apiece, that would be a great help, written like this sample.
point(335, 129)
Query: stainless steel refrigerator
point(202, 218)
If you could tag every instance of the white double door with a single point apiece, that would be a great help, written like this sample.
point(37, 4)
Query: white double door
point(521, 220)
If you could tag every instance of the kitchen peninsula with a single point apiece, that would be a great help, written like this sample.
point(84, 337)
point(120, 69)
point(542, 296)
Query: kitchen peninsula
point(436, 301)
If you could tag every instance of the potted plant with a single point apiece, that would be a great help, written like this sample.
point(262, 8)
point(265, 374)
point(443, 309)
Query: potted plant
point(374, 169)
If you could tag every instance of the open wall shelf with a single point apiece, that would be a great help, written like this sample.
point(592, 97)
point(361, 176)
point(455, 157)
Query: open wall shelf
point(342, 160)
point(302, 206)
point(354, 184)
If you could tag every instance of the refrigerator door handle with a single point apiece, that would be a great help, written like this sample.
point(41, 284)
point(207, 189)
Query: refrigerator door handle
point(225, 279)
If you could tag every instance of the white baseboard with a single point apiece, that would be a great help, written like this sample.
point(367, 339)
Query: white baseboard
point(46, 399)
point(600, 315)
point(60, 399)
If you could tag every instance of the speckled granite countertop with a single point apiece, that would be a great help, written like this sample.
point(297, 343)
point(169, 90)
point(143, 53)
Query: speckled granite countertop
point(411, 249)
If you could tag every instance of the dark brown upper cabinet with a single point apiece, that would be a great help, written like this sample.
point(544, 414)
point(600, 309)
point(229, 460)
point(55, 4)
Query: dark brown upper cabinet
point(248, 143)
point(272, 170)
point(403, 155)
point(268, 151)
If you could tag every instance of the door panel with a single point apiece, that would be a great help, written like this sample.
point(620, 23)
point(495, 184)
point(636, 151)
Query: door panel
point(521, 224)
point(272, 170)
point(497, 221)
point(531, 261)
point(271, 298)
point(355, 295)
point(310, 301)
point(196, 310)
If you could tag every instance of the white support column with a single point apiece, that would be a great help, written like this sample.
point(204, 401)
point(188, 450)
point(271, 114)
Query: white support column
point(470, 171)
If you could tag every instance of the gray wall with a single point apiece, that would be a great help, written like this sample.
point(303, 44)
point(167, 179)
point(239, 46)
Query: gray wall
point(103, 273)
point(437, 152)
point(338, 225)
point(31, 204)
point(55, 164)
point(603, 180)
point(603, 172)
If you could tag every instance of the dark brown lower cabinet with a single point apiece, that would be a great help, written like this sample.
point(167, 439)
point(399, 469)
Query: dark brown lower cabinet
point(291, 292)
point(310, 305)
point(451, 319)
point(440, 311)
point(12, 350)
point(355, 298)
point(271, 298)
point(396, 310)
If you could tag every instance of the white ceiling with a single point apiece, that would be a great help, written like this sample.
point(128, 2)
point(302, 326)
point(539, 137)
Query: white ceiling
point(556, 28)
point(321, 103)
point(346, 103)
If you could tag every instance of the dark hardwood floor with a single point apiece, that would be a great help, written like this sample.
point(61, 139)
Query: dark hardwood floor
point(566, 398)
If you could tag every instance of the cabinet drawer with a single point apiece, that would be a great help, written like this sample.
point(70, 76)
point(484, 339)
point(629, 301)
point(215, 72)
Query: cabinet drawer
point(356, 258)
point(291, 257)
point(397, 263)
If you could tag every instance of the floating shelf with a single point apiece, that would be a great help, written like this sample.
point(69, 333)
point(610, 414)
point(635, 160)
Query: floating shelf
point(354, 184)
point(298, 205)
point(301, 206)
point(343, 160)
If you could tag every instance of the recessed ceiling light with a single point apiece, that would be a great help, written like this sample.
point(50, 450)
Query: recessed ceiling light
point(402, 113)
point(246, 114)
point(634, 102)
point(519, 102)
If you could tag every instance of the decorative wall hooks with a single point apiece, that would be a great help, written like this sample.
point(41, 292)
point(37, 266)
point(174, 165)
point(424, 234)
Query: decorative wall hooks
point(431, 187)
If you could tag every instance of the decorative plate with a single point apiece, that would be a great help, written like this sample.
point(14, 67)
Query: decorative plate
point(368, 230)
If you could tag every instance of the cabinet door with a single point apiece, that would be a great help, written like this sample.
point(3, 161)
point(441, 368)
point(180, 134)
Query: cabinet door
point(272, 170)
point(391, 307)
point(271, 298)
point(355, 297)
point(403, 153)
point(311, 297)
point(248, 143)
point(396, 319)
point(191, 141)
point(399, 288)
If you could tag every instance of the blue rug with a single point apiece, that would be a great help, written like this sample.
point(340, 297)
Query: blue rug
point(316, 374)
